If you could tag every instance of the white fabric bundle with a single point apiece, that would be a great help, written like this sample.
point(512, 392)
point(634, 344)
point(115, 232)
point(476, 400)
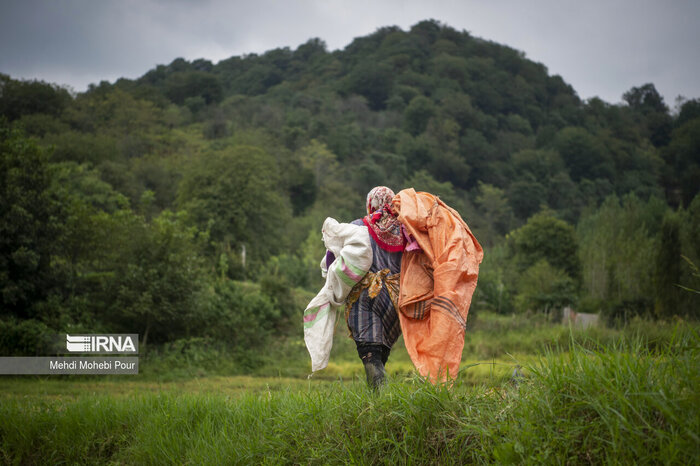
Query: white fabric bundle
point(350, 244)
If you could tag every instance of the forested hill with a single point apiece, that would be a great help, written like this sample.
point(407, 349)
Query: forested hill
point(195, 161)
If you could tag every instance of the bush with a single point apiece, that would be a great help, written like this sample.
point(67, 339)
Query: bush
point(25, 337)
point(620, 312)
point(545, 288)
point(238, 313)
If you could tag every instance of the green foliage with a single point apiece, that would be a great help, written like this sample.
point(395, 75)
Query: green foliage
point(372, 81)
point(423, 181)
point(629, 262)
point(74, 183)
point(526, 198)
point(81, 147)
point(497, 214)
point(417, 115)
point(20, 98)
point(691, 229)
point(239, 314)
point(493, 293)
point(233, 194)
point(667, 267)
point(284, 280)
point(620, 311)
point(31, 218)
point(650, 107)
point(545, 288)
point(684, 162)
point(162, 187)
point(24, 337)
point(645, 99)
point(603, 381)
point(180, 86)
point(584, 155)
point(113, 112)
point(547, 238)
point(690, 110)
point(696, 276)
point(156, 278)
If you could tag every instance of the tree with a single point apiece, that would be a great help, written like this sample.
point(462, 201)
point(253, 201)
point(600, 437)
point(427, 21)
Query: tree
point(649, 104)
point(417, 115)
point(88, 202)
point(645, 99)
point(546, 237)
point(526, 198)
point(372, 81)
point(157, 277)
point(182, 85)
point(618, 246)
point(244, 317)
point(690, 110)
point(451, 67)
point(683, 156)
point(584, 155)
point(258, 79)
point(545, 288)
point(668, 268)
point(234, 195)
point(540, 164)
point(18, 98)
point(31, 220)
point(497, 214)
point(423, 181)
point(310, 49)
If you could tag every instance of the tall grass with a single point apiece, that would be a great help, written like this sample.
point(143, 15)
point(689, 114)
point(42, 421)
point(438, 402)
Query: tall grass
point(505, 340)
point(621, 401)
point(624, 403)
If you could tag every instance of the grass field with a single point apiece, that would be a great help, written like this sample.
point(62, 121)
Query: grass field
point(587, 397)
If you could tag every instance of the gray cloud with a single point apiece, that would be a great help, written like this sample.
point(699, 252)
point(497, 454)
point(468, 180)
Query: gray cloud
point(602, 48)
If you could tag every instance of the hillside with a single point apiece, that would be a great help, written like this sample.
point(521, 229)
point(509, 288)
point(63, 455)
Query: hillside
point(138, 198)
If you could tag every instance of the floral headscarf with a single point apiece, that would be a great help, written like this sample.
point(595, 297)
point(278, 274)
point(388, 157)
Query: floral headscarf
point(383, 226)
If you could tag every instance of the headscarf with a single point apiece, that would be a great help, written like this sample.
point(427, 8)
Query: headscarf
point(383, 226)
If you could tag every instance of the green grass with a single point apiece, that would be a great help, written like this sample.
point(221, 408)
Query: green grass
point(601, 396)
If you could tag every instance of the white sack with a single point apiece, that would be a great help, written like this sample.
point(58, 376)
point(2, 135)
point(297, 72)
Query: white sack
point(350, 244)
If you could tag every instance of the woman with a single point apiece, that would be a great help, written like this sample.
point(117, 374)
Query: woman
point(437, 273)
point(372, 304)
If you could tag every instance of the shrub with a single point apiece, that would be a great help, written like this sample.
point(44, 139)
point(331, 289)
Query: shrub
point(238, 313)
point(24, 337)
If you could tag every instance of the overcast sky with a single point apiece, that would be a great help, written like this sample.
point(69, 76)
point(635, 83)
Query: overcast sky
point(601, 47)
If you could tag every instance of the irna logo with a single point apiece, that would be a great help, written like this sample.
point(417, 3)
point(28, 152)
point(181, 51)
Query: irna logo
point(101, 343)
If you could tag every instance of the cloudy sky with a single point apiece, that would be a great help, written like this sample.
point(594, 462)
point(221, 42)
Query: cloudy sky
point(601, 47)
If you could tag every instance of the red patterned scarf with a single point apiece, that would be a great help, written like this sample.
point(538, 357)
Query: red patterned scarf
point(383, 226)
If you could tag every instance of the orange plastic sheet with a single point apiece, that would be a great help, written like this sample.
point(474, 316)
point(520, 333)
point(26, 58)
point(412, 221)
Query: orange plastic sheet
point(437, 283)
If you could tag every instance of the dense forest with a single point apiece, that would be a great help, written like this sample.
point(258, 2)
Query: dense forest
point(187, 203)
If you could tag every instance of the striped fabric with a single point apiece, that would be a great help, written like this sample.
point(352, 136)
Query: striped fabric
point(375, 320)
point(347, 272)
point(314, 314)
point(444, 304)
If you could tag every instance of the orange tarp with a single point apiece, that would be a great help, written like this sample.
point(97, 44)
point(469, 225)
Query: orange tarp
point(437, 283)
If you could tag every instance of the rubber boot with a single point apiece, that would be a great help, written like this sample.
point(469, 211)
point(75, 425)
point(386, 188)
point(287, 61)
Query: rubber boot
point(376, 375)
point(373, 357)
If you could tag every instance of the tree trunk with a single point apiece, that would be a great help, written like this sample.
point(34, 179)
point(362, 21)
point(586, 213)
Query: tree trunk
point(144, 340)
